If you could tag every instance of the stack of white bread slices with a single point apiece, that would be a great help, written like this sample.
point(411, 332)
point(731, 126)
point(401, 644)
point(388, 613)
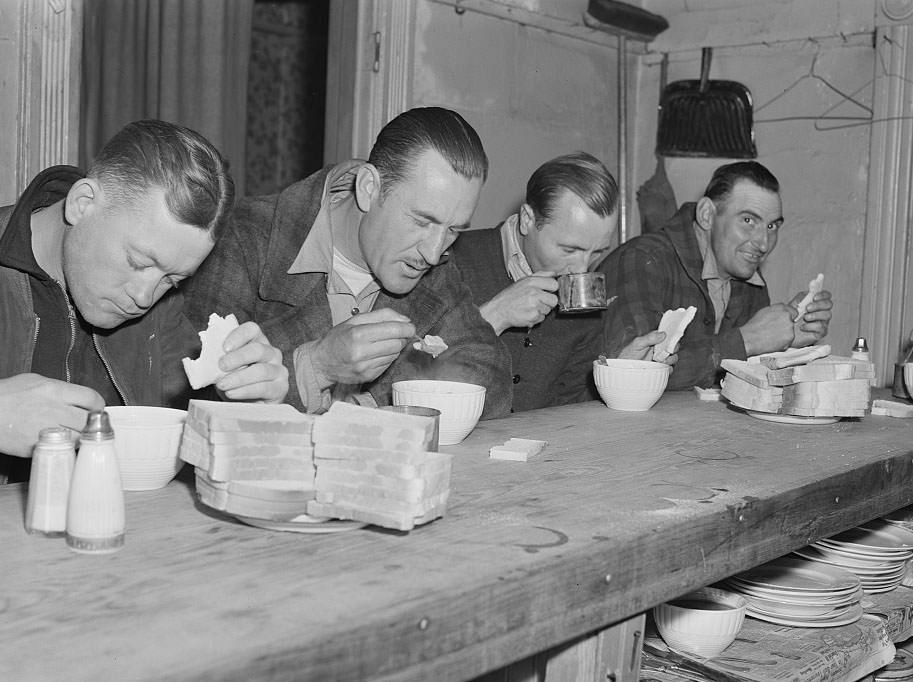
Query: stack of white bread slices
point(272, 462)
point(806, 382)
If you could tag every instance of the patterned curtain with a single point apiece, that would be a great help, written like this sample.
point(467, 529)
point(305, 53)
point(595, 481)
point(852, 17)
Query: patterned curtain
point(184, 61)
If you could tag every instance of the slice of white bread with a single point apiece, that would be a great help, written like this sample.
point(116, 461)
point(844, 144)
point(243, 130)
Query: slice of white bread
point(205, 370)
point(674, 323)
point(814, 287)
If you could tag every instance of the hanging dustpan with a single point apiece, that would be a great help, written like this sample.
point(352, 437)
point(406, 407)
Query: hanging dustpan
point(706, 117)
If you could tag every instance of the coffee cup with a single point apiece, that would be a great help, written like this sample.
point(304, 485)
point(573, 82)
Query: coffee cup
point(421, 411)
point(581, 292)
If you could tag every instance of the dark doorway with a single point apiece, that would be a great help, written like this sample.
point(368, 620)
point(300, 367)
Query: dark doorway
point(286, 93)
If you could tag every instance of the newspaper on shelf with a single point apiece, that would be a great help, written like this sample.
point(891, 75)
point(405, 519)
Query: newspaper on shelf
point(895, 608)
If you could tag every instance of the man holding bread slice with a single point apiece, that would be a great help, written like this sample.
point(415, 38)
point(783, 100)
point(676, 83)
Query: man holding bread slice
point(346, 269)
point(708, 256)
point(88, 267)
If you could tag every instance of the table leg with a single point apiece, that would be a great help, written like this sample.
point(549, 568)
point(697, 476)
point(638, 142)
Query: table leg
point(610, 655)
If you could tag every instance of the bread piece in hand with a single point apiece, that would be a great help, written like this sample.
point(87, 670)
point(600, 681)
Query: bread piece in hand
point(433, 345)
point(205, 370)
point(814, 287)
point(674, 323)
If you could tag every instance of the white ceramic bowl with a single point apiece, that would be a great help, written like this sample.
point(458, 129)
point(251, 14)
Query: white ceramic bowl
point(147, 441)
point(703, 622)
point(630, 385)
point(460, 404)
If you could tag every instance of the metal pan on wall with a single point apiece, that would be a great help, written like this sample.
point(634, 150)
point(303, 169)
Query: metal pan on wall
point(706, 118)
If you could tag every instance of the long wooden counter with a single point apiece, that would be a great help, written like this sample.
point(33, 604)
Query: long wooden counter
point(621, 511)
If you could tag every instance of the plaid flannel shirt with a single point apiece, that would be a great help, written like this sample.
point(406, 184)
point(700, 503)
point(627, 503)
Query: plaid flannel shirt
point(660, 271)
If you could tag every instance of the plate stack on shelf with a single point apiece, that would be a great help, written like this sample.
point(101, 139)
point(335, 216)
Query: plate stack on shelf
point(902, 517)
point(877, 552)
point(800, 593)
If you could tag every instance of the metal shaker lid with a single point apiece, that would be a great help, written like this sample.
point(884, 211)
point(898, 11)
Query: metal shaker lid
point(55, 434)
point(98, 427)
point(861, 346)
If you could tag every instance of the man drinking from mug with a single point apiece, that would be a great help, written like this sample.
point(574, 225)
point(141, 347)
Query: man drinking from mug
point(565, 225)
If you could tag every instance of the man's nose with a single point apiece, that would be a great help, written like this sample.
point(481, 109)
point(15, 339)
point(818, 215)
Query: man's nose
point(579, 263)
point(143, 293)
point(761, 239)
point(434, 244)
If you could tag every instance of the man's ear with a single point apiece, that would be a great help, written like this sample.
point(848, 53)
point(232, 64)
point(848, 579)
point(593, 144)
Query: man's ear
point(367, 187)
point(527, 220)
point(705, 213)
point(81, 200)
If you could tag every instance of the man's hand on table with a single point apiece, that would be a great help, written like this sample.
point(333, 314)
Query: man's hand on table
point(31, 402)
point(524, 303)
point(641, 348)
point(254, 366)
point(361, 348)
point(812, 326)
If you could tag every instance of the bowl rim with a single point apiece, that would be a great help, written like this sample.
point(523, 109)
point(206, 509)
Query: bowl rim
point(734, 601)
point(410, 385)
point(624, 363)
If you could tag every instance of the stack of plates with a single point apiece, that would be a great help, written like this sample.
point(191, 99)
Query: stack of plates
point(877, 552)
point(800, 593)
point(902, 517)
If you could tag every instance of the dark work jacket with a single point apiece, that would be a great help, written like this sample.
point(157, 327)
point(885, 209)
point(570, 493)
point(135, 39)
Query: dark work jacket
point(552, 364)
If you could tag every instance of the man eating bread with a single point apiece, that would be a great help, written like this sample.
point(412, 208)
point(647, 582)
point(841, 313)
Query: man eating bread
point(708, 255)
point(89, 265)
point(346, 270)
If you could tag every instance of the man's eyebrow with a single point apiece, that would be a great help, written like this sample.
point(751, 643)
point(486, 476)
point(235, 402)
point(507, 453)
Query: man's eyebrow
point(775, 221)
point(431, 218)
point(157, 263)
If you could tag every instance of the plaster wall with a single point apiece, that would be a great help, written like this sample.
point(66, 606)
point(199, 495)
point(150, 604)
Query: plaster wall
point(10, 11)
point(810, 69)
point(530, 94)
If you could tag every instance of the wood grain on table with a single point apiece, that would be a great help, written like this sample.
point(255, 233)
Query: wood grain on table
point(620, 512)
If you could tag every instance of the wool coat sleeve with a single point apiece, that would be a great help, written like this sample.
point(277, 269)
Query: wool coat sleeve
point(228, 282)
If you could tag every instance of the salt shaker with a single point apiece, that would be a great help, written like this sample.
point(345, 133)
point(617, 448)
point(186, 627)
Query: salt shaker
point(861, 350)
point(95, 510)
point(49, 482)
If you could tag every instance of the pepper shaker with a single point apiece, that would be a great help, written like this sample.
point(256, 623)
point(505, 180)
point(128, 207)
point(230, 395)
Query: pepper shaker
point(95, 510)
point(49, 482)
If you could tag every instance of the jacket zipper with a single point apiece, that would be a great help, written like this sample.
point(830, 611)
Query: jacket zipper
point(120, 392)
point(71, 318)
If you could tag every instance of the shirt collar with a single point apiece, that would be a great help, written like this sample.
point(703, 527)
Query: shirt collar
point(514, 259)
point(316, 252)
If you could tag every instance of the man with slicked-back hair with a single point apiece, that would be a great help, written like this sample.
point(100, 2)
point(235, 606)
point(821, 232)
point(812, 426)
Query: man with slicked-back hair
point(345, 269)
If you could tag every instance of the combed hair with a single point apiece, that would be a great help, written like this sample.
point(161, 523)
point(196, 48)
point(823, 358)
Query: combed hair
point(413, 132)
point(579, 172)
point(194, 177)
point(725, 178)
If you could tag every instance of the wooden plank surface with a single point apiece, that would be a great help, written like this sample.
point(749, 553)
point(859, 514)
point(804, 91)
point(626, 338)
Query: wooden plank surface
point(620, 512)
